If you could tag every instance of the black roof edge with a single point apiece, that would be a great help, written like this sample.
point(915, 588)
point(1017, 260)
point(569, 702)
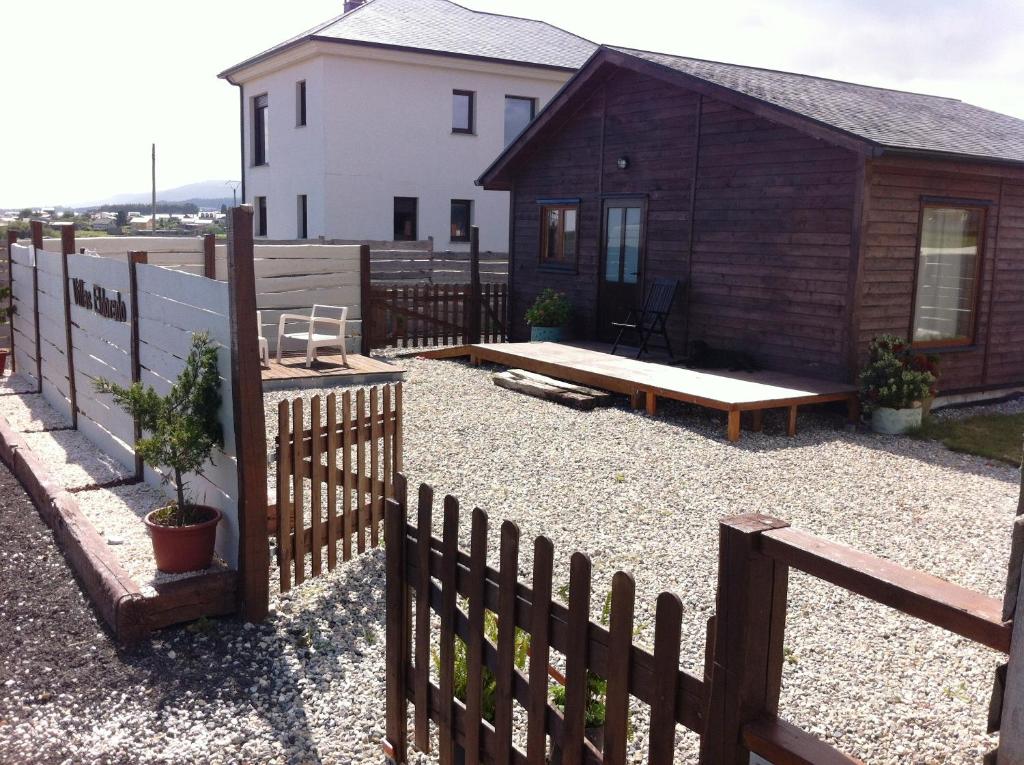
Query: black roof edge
point(952, 156)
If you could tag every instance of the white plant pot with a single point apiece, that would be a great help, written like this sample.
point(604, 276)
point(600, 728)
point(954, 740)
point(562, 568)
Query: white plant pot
point(895, 421)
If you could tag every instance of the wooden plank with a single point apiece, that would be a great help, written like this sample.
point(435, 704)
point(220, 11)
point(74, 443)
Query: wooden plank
point(620, 631)
point(332, 481)
point(387, 444)
point(376, 498)
point(507, 580)
point(424, 521)
point(734, 425)
point(37, 245)
point(347, 437)
point(475, 641)
point(284, 510)
point(361, 488)
point(396, 634)
point(576, 659)
point(782, 743)
point(446, 649)
point(399, 428)
point(668, 622)
point(365, 297)
point(134, 259)
point(316, 478)
point(962, 611)
point(539, 628)
point(68, 247)
point(298, 494)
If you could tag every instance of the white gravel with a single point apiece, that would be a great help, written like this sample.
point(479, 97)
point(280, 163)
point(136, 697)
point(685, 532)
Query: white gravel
point(11, 383)
point(30, 412)
point(645, 494)
point(74, 461)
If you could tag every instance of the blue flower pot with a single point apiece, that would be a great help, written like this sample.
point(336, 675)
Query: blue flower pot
point(546, 334)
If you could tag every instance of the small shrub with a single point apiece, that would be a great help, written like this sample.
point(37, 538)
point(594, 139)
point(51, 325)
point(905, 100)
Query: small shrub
point(550, 309)
point(895, 376)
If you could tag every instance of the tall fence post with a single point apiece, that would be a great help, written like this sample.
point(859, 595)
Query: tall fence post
point(37, 245)
point(67, 247)
point(12, 239)
point(474, 284)
point(365, 309)
point(750, 620)
point(134, 258)
point(210, 256)
point(250, 430)
point(397, 642)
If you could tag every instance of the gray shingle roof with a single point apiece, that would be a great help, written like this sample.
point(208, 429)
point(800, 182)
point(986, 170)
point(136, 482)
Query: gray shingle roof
point(889, 118)
point(441, 26)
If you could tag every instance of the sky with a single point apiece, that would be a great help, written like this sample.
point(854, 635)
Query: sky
point(91, 85)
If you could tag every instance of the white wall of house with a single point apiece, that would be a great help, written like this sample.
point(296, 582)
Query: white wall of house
point(379, 126)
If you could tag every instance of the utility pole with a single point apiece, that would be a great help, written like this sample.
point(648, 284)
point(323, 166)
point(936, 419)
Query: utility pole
point(154, 190)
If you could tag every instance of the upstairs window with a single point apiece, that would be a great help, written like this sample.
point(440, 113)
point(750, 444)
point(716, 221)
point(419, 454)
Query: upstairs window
point(461, 219)
point(948, 267)
point(405, 219)
point(519, 111)
point(300, 103)
point(260, 130)
point(558, 236)
point(462, 111)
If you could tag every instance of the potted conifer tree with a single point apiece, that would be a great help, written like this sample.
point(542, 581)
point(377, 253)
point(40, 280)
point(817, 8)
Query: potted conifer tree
point(548, 316)
point(182, 430)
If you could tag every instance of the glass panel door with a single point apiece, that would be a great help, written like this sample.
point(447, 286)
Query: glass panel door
point(619, 288)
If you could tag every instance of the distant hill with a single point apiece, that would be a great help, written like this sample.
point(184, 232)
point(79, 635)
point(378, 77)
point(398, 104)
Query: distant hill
point(203, 194)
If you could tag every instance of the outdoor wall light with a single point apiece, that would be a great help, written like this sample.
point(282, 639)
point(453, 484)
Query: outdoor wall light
point(622, 162)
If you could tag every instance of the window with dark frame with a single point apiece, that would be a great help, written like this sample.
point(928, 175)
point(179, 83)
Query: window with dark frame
point(261, 216)
point(461, 219)
point(300, 103)
point(946, 290)
point(462, 111)
point(558, 238)
point(303, 221)
point(405, 219)
point(519, 112)
point(260, 130)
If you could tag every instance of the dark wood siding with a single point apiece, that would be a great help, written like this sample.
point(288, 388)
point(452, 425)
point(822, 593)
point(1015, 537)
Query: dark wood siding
point(893, 205)
point(771, 262)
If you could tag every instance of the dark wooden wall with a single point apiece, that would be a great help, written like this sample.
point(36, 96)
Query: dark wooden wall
point(772, 220)
point(892, 209)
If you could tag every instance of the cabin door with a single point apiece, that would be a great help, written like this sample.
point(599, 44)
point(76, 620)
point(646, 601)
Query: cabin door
point(620, 282)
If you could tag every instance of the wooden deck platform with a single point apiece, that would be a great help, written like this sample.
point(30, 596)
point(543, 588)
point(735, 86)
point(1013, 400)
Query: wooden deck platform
point(328, 370)
point(645, 382)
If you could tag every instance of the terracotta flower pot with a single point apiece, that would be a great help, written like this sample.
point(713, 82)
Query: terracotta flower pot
point(178, 549)
point(3, 360)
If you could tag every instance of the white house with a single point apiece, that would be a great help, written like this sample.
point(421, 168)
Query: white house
point(375, 124)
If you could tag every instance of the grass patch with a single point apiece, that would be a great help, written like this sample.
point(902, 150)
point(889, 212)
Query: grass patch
point(993, 436)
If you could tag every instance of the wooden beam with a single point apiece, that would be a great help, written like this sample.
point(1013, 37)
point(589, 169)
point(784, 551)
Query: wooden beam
point(365, 308)
point(474, 285)
point(12, 239)
point(134, 258)
point(37, 244)
point(782, 743)
point(750, 620)
point(210, 256)
point(250, 430)
point(67, 247)
point(957, 609)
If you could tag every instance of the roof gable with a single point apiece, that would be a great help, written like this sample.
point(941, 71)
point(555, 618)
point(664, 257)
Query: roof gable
point(446, 28)
point(860, 117)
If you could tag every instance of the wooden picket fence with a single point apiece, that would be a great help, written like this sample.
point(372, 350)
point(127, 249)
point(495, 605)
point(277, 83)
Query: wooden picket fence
point(333, 477)
point(734, 708)
point(422, 315)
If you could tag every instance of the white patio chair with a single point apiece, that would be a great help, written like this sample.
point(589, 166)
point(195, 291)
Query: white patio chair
point(264, 346)
point(321, 331)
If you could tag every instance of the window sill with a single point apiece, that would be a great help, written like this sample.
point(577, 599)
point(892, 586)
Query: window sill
point(463, 132)
point(558, 269)
point(941, 349)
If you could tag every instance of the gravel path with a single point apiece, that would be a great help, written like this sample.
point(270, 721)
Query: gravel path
point(645, 494)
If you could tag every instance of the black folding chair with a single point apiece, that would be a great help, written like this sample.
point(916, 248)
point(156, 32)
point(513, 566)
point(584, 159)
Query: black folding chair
point(652, 318)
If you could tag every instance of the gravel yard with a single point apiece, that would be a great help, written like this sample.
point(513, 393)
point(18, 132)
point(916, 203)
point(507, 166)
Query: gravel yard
point(644, 495)
point(637, 493)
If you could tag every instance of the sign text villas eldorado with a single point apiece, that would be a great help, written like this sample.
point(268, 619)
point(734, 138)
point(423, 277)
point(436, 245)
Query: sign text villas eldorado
point(97, 300)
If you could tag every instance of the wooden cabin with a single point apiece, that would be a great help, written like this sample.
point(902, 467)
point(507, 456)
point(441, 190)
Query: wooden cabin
point(802, 216)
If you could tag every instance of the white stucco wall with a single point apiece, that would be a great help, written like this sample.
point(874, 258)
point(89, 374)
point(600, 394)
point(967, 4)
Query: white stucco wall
point(379, 126)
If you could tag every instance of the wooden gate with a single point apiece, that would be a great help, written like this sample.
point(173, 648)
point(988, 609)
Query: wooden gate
point(423, 315)
point(333, 477)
